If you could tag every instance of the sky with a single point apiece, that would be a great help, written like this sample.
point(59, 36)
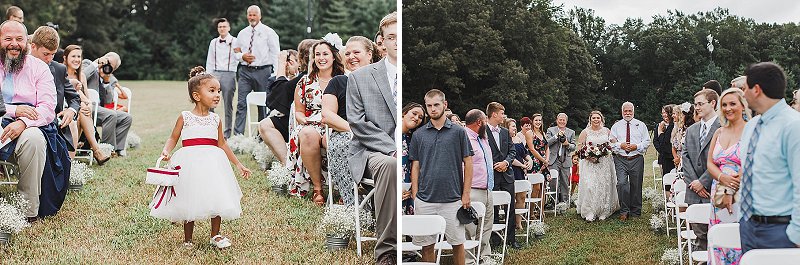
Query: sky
point(616, 11)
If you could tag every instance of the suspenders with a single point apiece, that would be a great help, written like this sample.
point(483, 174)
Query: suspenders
point(230, 50)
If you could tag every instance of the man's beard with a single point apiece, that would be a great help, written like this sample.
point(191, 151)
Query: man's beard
point(13, 65)
point(482, 131)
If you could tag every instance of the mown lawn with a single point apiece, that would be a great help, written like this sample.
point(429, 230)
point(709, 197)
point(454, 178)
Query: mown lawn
point(108, 222)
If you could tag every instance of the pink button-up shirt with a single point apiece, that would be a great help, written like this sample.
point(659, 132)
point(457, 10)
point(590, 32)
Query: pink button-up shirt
point(480, 172)
point(34, 85)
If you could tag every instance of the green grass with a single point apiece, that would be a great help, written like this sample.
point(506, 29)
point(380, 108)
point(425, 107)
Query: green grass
point(109, 222)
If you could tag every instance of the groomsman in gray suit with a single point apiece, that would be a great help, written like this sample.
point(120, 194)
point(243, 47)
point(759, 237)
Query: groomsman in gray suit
point(629, 149)
point(693, 157)
point(371, 110)
point(561, 141)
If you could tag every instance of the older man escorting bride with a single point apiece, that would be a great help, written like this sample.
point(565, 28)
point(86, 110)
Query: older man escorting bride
point(598, 185)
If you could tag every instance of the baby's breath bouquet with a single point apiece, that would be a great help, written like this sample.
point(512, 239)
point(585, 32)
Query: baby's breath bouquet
point(562, 207)
point(338, 221)
point(539, 228)
point(241, 144)
point(263, 155)
point(650, 194)
point(278, 174)
point(670, 257)
point(133, 140)
point(12, 219)
point(79, 173)
point(657, 221)
point(106, 149)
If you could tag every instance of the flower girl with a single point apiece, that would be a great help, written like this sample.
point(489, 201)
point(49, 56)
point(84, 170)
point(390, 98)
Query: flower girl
point(207, 187)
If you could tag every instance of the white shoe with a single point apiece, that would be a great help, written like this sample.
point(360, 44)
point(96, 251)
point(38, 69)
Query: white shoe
point(222, 243)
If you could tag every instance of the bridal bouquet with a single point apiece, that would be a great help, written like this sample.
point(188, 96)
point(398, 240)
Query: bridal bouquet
point(593, 153)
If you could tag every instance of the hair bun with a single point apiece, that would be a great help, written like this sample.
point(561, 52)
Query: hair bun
point(197, 70)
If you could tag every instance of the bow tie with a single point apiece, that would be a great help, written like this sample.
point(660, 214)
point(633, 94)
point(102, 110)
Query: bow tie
point(495, 129)
point(221, 41)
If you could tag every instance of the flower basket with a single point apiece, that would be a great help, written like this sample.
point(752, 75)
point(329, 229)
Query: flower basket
point(339, 222)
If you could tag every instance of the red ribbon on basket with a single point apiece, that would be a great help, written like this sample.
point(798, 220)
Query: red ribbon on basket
point(169, 189)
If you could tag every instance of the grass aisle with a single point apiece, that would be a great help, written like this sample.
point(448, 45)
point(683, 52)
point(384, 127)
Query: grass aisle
point(108, 222)
point(571, 240)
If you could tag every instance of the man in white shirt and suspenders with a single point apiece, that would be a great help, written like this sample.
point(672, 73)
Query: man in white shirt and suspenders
point(222, 63)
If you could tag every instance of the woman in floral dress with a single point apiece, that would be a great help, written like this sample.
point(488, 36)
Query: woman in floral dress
point(306, 141)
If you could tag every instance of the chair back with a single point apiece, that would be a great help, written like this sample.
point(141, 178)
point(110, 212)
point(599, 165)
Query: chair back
point(679, 198)
point(679, 185)
point(257, 98)
point(522, 186)
point(554, 175)
point(480, 208)
point(500, 198)
point(668, 179)
point(698, 213)
point(537, 178)
point(724, 236)
point(773, 256)
point(423, 225)
point(93, 95)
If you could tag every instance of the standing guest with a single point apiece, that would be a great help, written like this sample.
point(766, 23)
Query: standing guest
point(561, 142)
point(695, 152)
point(540, 152)
point(522, 161)
point(770, 208)
point(441, 175)
point(15, 13)
point(115, 123)
point(29, 97)
point(371, 110)
point(256, 48)
point(454, 118)
point(724, 165)
point(629, 149)
point(44, 44)
point(379, 42)
point(503, 154)
point(413, 115)
point(482, 179)
point(73, 56)
point(274, 129)
point(306, 141)
point(682, 119)
point(661, 140)
point(713, 85)
point(575, 178)
point(222, 63)
point(358, 53)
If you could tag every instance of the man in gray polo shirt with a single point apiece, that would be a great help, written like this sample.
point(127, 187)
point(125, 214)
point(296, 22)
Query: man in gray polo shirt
point(441, 175)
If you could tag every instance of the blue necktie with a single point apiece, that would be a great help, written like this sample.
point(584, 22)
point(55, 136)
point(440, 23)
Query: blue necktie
point(8, 88)
point(490, 175)
point(747, 195)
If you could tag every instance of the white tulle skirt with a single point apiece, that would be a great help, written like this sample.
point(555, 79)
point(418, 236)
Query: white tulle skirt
point(207, 187)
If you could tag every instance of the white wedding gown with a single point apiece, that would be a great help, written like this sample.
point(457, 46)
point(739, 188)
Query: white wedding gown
point(597, 188)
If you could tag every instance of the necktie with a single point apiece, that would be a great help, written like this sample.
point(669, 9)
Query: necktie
point(490, 172)
point(394, 89)
point(8, 88)
point(252, 36)
point(747, 195)
point(703, 133)
point(628, 132)
point(495, 129)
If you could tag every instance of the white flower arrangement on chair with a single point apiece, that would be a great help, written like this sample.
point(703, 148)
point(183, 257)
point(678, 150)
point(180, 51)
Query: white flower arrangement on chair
point(539, 227)
point(670, 257)
point(278, 174)
point(242, 144)
point(12, 219)
point(338, 221)
point(263, 155)
point(133, 140)
point(650, 194)
point(657, 203)
point(657, 221)
point(79, 173)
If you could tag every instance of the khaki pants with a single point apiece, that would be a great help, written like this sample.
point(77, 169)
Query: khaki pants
point(30, 154)
point(483, 196)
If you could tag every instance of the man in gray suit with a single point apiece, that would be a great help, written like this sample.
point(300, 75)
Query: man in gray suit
point(115, 123)
point(693, 157)
point(561, 141)
point(371, 110)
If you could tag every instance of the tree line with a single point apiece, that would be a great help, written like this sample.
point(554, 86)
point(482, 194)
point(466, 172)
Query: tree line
point(163, 39)
point(538, 57)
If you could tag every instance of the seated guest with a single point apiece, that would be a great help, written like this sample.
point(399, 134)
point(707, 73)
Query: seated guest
point(115, 123)
point(29, 94)
point(306, 141)
point(72, 58)
point(359, 52)
point(413, 116)
point(276, 126)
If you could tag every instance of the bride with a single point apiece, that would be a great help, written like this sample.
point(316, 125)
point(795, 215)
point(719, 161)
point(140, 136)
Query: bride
point(597, 188)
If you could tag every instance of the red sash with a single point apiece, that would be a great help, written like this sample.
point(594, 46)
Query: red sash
point(199, 141)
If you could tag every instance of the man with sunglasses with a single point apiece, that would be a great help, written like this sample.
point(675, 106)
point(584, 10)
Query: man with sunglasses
point(695, 152)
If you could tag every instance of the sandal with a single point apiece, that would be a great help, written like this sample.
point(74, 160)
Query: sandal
point(317, 198)
point(188, 245)
point(222, 243)
point(100, 162)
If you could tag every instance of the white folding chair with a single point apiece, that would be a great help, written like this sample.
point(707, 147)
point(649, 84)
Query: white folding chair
point(471, 243)
point(500, 198)
point(258, 99)
point(553, 194)
point(536, 202)
point(94, 98)
point(723, 236)
point(667, 180)
point(775, 256)
point(127, 92)
point(359, 206)
point(655, 177)
point(696, 214)
point(10, 173)
point(329, 178)
point(423, 225)
point(524, 213)
point(678, 201)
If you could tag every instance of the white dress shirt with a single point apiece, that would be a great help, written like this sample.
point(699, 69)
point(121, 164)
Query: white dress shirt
point(495, 130)
point(265, 45)
point(639, 136)
point(220, 55)
point(707, 123)
point(391, 73)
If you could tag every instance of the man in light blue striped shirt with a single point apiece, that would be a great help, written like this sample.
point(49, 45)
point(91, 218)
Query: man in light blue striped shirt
point(770, 151)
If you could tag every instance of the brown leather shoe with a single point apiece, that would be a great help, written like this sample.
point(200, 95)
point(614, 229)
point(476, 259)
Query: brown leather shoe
point(388, 259)
point(623, 217)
